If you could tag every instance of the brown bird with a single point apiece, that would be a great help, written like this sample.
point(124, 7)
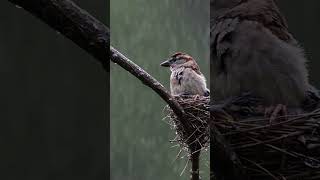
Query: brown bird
point(253, 51)
point(186, 78)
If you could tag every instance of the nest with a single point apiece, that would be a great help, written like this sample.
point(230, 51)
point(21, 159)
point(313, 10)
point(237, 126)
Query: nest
point(194, 131)
point(286, 148)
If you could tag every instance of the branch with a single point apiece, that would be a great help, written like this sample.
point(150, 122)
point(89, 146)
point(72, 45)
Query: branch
point(92, 36)
point(146, 79)
point(74, 23)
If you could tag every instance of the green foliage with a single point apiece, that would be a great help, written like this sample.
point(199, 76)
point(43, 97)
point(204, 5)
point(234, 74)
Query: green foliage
point(148, 32)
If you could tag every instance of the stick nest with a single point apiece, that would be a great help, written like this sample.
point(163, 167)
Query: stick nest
point(287, 148)
point(194, 131)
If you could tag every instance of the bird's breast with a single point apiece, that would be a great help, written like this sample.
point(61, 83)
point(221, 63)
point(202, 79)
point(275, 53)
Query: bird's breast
point(187, 81)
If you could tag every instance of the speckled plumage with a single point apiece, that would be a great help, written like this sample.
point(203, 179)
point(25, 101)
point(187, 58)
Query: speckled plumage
point(186, 78)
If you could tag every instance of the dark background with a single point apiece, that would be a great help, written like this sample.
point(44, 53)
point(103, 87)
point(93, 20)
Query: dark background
point(304, 23)
point(53, 101)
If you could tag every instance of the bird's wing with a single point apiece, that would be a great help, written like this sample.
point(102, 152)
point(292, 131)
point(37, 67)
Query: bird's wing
point(265, 12)
point(254, 58)
point(221, 36)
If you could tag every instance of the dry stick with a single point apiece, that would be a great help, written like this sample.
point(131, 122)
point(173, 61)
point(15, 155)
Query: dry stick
point(267, 126)
point(148, 80)
point(292, 154)
point(94, 37)
point(177, 156)
point(185, 167)
point(276, 148)
point(262, 168)
point(269, 141)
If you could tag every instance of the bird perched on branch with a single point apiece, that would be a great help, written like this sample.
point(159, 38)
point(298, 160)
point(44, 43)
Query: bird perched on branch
point(253, 51)
point(186, 78)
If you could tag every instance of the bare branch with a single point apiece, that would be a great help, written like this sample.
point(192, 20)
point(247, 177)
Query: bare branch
point(146, 79)
point(93, 36)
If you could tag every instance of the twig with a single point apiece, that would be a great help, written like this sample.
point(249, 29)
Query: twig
point(267, 126)
point(185, 167)
point(148, 80)
point(269, 141)
point(262, 168)
point(177, 156)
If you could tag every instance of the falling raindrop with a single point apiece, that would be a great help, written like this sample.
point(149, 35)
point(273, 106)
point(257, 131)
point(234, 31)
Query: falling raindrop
point(19, 7)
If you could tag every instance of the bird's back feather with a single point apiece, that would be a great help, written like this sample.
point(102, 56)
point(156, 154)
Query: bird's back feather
point(249, 57)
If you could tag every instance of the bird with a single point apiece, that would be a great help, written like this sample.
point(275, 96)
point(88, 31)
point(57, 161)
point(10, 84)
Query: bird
point(186, 78)
point(253, 51)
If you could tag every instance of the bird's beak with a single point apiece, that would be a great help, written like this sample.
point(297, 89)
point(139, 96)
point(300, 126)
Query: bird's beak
point(166, 63)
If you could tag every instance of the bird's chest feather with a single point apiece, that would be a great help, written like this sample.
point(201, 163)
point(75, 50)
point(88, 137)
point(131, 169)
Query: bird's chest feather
point(186, 81)
point(177, 77)
point(179, 80)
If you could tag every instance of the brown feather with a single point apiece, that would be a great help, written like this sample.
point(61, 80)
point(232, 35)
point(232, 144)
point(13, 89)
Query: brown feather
point(263, 11)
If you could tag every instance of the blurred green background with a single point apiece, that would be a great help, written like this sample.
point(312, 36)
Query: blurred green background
point(147, 32)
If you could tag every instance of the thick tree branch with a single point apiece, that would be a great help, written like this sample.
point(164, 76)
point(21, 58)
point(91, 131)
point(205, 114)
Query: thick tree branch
point(74, 23)
point(94, 37)
point(91, 35)
point(146, 79)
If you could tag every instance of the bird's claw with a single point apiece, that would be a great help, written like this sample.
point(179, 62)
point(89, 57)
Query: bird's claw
point(196, 97)
point(275, 111)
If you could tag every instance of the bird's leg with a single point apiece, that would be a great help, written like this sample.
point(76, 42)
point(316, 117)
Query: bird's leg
point(274, 111)
point(196, 97)
point(188, 95)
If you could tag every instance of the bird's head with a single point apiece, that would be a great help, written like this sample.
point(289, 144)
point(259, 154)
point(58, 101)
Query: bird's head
point(219, 6)
point(180, 59)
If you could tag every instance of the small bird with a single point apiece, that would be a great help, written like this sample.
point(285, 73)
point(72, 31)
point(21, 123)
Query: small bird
point(186, 78)
point(253, 51)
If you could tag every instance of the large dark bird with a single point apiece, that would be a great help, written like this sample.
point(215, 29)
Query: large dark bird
point(253, 51)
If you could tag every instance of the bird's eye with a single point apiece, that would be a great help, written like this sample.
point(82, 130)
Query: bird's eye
point(173, 60)
point(180, 61)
